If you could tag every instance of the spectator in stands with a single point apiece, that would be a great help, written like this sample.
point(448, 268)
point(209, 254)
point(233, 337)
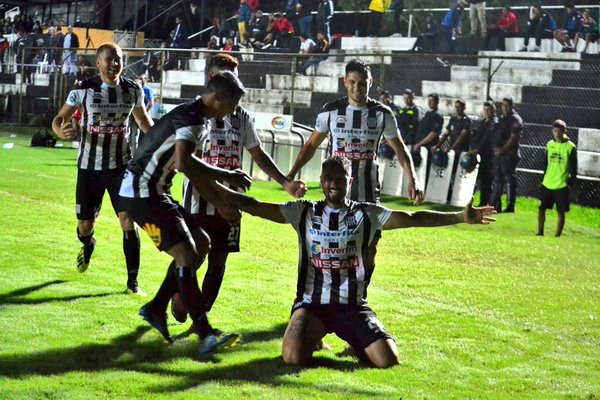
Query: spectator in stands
point(221, 29)
point(307, 46)
point(507, 26)
point(305, 18)
point(258, 28)
point(230, 46)
point(541, 25)
point(70, 44)
point(588, 30)
point(376, 8)
point(3, 46)
point(57, 46)
point(482, 135)
point(477, 17)
point(84, 68)
point(291, 11)
point(319, 54)
point(37, 28)
point(560, 174)
point(451, 25)
point(245, 15)
point(151, 63)
point(426, 40)
point(213, 43)
point(397, 6)
point(430, 127)
point(325, 12)
point(571, 27)
point(506, 156)
point(148, 93)
point(458, 131)
point(385, 150)
point(254, 6)
point(409, 117)
point(180, 36)
point(282, 30)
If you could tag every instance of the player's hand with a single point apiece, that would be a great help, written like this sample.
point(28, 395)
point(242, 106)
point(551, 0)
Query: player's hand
point(239, 179)
point(478, 215)
point(415, 194)
point(231, 214)
point(434, 149)
point(295, 189)
point(68, 130)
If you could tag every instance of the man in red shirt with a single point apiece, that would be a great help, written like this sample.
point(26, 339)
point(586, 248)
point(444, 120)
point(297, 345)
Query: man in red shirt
point(506, 26)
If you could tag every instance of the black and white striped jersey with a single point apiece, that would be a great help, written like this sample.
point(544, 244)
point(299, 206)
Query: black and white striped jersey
point(221, 145)
point(355, 133)
point(150, 172)
point(105, 121)
point(334, 248)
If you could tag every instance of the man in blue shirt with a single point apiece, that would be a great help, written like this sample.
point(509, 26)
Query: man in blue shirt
point(541, 26)
point(571, 27)
point(450, 26)
point(148, 93)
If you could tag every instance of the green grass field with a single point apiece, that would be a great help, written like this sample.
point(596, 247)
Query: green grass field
point(478, 312)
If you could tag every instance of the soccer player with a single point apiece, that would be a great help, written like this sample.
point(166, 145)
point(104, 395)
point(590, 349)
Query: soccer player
point(222, 146)
point(145, 192)
point(355, 124)
point(333, 274)
point(560, 173)
point(107, 101)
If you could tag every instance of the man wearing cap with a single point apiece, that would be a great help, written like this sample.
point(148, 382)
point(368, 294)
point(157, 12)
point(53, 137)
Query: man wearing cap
point(408, 118)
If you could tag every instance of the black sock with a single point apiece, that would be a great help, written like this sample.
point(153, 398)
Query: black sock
point(131, 249)
point(211, 284)
point(187, 286)
point(167, 289)
point(86, 240)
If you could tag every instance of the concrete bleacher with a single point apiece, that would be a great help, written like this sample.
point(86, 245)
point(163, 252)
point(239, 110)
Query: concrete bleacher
point(548, 45)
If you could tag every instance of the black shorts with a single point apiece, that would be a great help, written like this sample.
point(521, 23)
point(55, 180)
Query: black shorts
point(163, 219)
point(224, 238)
point(91, 186)
point(357, 325)
point(559, 197)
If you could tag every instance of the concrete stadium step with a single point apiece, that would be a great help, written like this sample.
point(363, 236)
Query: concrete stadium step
point(446, 105)
point(539, 134)
point(547, 46)
point(472, 90)
point(562, 96)
point(306, 116)
point(266, 67)
point(575, 116)
point(7, 79)
point(172, 90)
point(38, 91)
point(519, 76)
point(188, 77)
point(323, 84)
point(328, 68)
point(537, 60)
point(583, 79)
point(374, 44)
point(267, 108)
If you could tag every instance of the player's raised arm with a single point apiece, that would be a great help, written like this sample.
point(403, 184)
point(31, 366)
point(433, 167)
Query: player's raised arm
point(270, 211)
point(306, 152)
point(61, 124)
point(295, 188)
point(426, 218)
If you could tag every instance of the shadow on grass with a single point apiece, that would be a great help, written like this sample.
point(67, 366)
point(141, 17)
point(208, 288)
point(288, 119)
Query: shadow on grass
point(16, 296)
point(126, 352)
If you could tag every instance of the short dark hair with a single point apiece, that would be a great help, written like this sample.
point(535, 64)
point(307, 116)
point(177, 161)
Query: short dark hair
point(559, 123)
point(509, 100)
point(358, 65)
point(569, 4)
point(336, 162)
point(107, 46)
point(385, 93)
point(435, 96)
point(226, 82)
point(490, 104)
point(222, 62)
point(408, 92)
point(461, 102)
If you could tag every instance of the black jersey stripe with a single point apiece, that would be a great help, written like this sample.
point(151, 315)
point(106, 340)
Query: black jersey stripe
point(112, 95)
point(334, 221)
point(91, 161)
point(355, 179)
point(336, 280)
point(220, 124)
point(365, 253)
point(105, 150)
point(368, 182)
point(304, 263)
point(357, 119)
point(317, 286)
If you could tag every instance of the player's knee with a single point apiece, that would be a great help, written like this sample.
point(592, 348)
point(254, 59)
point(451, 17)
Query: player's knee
point(126, 221)
point(85, 227)
point(386, 362)
point(202, 241)
point(292, 355)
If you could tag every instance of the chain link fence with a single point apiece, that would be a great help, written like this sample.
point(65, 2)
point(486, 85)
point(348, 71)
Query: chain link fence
point(544, 87)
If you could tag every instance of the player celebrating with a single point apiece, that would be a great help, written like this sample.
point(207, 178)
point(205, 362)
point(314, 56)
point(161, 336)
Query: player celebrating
point(333, 275)
point(145, 191)
point(107, 101)
point(222, 147)
point(355, 124)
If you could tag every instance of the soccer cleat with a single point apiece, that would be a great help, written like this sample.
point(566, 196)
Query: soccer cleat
point(133, 288)
point(218, 340)
point(178, 310)
point(157, 322)
point(84, 256)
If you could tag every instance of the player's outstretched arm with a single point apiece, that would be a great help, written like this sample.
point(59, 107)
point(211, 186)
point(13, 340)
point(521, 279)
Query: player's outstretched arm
point(426, 218)
point(250, 205)
point(295, 188)
point(142, 118)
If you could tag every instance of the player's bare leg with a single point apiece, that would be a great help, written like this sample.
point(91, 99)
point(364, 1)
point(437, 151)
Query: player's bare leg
point(303, 333)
